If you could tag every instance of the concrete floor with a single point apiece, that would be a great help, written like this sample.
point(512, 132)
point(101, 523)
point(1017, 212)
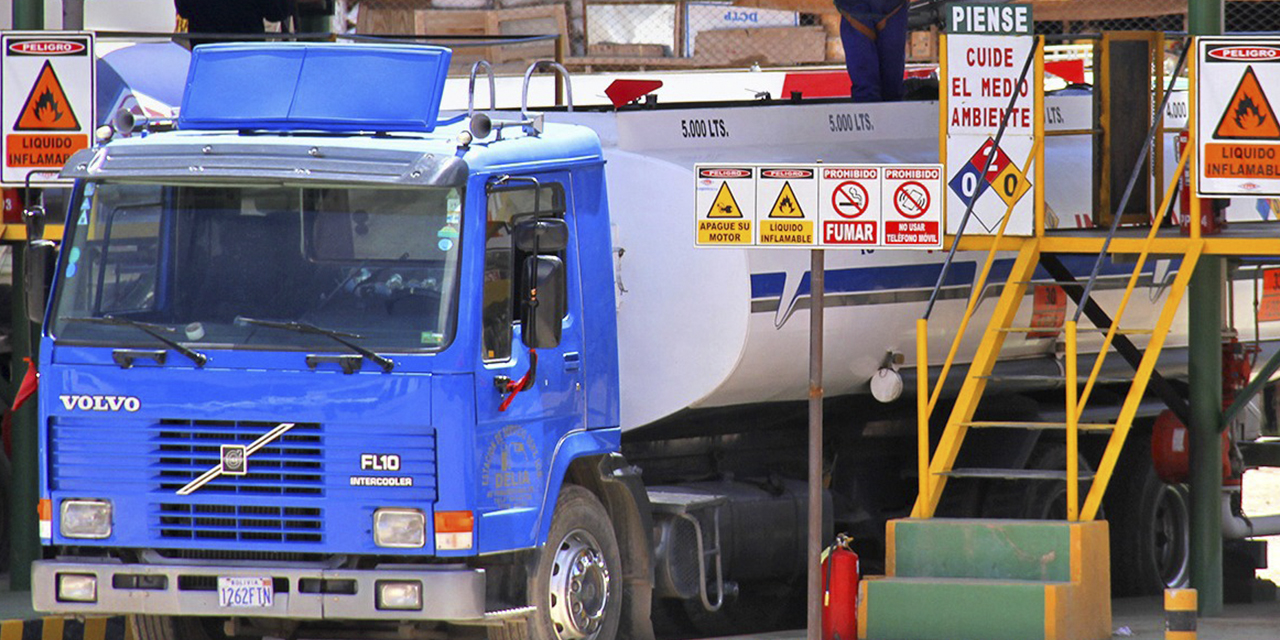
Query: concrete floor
point(1143, 619)
point(1139, 618)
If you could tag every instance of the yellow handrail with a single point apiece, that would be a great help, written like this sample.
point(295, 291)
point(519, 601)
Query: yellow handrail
point(924, 409)
point(922, 405)
point(1133, 281)
point(978, 285)
point(1141, 377)
point(1073, 425)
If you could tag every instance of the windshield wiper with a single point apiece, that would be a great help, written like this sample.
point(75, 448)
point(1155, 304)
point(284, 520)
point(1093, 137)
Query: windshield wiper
point(152, 330)
point(337, 336)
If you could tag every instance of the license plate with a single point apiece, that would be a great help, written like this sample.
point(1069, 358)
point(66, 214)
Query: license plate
point(244, 592)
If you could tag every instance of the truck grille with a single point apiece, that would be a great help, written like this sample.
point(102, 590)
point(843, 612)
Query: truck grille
point(291, 464)
point(240, 523)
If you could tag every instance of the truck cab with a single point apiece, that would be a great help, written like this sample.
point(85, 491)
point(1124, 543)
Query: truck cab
point(314, 357)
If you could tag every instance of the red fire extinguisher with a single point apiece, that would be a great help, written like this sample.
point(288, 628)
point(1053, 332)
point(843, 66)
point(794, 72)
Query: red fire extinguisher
point(840, 590)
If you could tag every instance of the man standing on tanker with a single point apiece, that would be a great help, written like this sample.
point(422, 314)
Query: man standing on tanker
point(874, 34)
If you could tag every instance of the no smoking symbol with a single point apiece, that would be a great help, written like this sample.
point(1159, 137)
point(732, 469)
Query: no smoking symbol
point(911, 199)
point(849, 199)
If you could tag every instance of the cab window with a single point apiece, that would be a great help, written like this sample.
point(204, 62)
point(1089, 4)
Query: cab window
point(506, 206)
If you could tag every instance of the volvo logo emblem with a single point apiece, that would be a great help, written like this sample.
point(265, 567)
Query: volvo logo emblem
point(234, 460)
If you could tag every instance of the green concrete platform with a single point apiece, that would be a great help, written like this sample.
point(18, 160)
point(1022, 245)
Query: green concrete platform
point(990, 580)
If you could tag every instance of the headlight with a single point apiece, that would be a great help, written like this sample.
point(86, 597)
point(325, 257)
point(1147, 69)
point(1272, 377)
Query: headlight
point(77, 587)
point(406, 596)
point(402, 528)
point(85, 519)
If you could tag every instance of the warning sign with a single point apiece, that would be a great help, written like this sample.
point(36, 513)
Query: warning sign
point(915, 219)
point(47, 107)
point(1269, 308)
point(1048, 311)
point(48, 103)
point(1248, 115)
point(726, 205)
point(851, 206)
point(852, 199)
point(983, 89)
point(793, 192)
point(1237, 132)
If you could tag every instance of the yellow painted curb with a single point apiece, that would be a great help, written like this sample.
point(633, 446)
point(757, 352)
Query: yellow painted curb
point(55, 628)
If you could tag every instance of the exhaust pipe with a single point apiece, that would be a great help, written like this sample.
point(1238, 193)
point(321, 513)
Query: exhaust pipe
point(1237, 526)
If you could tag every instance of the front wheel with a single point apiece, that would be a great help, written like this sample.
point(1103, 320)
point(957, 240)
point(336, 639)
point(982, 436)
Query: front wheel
point(576, 585)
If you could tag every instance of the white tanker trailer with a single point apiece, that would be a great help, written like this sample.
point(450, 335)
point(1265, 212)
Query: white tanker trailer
point(714, 343)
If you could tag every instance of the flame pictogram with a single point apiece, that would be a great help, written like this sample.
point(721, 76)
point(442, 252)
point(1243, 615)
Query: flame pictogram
point(47, 107)
point(1247, 115)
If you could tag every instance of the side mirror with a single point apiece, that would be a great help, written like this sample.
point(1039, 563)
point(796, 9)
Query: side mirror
point(34, 218)
point(543, 304)
point(541, 235)
point(38, 264)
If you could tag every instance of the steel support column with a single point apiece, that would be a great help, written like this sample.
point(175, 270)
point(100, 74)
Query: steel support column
point(24, 542)
point(1205, 380)
point(28, 14)
point(1204, 299)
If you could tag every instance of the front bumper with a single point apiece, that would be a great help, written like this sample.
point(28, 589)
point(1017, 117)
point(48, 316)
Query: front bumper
point(452, 593)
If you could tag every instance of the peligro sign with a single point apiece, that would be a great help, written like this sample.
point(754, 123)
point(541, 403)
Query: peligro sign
point(1245, 53)
point(47, 47)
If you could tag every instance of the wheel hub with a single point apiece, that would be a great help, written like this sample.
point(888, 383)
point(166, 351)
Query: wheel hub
point(579, 590)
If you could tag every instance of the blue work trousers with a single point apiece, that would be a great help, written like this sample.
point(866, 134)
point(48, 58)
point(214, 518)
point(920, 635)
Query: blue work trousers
point(874, 34)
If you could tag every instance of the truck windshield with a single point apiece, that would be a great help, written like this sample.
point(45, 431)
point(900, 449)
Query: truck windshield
point(377, 264)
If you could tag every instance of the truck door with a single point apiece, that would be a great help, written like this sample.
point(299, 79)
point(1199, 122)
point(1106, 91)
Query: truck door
point(517, 435)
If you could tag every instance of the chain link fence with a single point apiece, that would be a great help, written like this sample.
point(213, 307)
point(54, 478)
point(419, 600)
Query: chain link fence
point(597, 35)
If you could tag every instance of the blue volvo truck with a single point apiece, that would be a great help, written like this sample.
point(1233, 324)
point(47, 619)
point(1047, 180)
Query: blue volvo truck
point(319, 360)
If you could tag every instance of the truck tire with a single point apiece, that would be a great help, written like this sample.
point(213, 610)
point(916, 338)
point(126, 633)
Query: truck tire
point(576, 585)
point(1150, 526)
point(169, 628)
point(180, 628)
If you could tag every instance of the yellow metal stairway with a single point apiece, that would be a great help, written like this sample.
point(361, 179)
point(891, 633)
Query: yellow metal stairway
point(1039, 579)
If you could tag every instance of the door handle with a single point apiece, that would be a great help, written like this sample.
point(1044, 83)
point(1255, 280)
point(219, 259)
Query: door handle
point(572, 361)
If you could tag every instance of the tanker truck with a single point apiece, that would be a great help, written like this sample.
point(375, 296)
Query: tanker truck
point(321, 361)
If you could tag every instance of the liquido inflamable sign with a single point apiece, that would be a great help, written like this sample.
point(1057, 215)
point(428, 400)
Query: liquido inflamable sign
point(48, 99)
point(987, 47)
point(893, 206)
point(1237, 135)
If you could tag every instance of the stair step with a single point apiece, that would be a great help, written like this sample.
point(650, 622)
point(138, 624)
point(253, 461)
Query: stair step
point(1060, 283)
point(959, 609)
point(1083, 426)
point(1121, 331)
point(1012, 474)
point(1040, 378)
point(989, 549)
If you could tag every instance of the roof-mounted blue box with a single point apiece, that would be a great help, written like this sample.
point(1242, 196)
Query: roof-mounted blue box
point(323, 86)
